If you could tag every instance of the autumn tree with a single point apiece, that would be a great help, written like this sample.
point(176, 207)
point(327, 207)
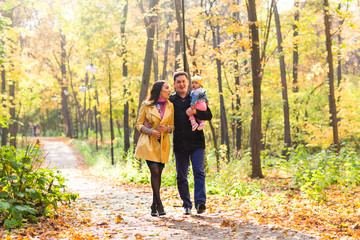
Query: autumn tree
point(150, 23)
point(255, 138)
point(237, 120)
point(4, 69)
point(62, 79)
point(339, 41)
point(296, 47)
point(285, 103)
point(180, 18)
point(168, 19)
point(332, 103)
point(4, 129)
point(125, 75)
point(216, 41)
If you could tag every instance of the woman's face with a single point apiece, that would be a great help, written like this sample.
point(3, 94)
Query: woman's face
point(165, 91)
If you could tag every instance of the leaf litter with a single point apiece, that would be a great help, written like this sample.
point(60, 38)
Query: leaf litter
point(111, 209)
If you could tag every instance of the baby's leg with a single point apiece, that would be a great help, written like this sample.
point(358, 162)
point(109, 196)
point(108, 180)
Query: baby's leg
point(194, 124)
point(200, 105)
point(201, 124)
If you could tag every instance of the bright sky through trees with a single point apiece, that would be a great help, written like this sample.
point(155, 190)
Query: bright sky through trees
point(284, 5)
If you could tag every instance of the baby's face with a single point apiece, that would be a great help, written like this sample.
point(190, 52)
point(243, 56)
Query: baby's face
point(195, 85)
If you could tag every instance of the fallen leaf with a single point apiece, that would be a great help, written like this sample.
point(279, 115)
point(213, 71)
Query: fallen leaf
point(118, 219)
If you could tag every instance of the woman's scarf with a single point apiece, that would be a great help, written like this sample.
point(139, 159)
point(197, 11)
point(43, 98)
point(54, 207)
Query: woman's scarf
point(161, 111)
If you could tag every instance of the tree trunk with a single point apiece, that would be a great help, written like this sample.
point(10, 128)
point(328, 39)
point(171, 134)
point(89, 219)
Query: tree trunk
point(296, 47)
point(237, 117)
point(64, 90)
point(215, 146)
point(91, 120)
point(150, 23)
point(255, 135)
point(100, 129)
point(125, 75)
point(78, 117)
point(156, 55)
point(86, 122)
point(295, 87)
point(47, 122)
point(223, 119)
point(25, 127)
point(4, 129)
point(287, 136)
point(339, 52)
point(334, 120)
point(42, 125)
point(12, 125)
point(166, 47)
point(177, 52)
point(90, 114)
point(126, 127)
point(181, 30)
point(96, 127)
point(118, 126)
point(166, 53)
point(98, 116)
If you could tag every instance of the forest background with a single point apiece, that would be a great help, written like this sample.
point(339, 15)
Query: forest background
point(282, 81)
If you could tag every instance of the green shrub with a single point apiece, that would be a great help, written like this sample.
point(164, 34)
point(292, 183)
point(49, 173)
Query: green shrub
point(315, 173)
point(26, 190)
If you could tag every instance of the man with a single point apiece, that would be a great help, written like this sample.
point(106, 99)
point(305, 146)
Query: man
point(188, 145)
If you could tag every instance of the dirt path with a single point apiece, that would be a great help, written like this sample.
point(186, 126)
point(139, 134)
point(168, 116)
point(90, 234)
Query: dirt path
point(118, 211)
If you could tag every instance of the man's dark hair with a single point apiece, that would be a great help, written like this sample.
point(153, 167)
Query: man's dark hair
point(155, 92)
point(176, 74)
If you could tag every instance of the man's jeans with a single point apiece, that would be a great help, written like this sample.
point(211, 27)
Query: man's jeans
point(182, 167)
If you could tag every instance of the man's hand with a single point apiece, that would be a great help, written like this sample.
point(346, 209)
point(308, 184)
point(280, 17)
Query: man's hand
point(147, 124)
point(156, 134)
point(161, 128)
point(190, 111)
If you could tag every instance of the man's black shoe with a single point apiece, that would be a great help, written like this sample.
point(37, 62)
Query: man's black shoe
point(200, 208)
point(187, 211)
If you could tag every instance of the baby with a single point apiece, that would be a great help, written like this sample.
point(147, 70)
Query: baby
point(199, 101)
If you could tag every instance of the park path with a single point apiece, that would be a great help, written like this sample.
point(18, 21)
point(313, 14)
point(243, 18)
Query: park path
point(119, 210)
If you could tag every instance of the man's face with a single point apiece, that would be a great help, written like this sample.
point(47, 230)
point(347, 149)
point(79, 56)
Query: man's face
point(181, 84)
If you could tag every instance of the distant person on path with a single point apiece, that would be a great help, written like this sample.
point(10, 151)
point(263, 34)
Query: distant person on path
point(199, 101)
point(154, 142)
point(31, 130)
point(188, 144)
point(36, 130)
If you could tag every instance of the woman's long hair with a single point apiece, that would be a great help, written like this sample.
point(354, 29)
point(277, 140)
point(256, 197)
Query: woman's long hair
point(155, 92)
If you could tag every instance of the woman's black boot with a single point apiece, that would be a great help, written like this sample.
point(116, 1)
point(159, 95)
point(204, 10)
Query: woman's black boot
point(154, 210)
point(160, 209)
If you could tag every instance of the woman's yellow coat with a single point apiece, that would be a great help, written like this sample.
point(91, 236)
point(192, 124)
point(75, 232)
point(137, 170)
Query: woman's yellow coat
point(148, 147)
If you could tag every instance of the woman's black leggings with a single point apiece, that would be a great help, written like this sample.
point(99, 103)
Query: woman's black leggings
point(156, 171)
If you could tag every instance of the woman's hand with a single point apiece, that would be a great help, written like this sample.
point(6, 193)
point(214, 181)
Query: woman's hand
point(162, 128)
point(148, 124)
point(156, 134)
point(190, 111)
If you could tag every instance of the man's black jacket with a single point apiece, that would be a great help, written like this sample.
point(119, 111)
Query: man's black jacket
point(184, 138)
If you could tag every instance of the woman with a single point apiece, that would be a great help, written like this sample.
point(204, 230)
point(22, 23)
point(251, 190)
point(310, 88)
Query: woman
point(154, 143)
